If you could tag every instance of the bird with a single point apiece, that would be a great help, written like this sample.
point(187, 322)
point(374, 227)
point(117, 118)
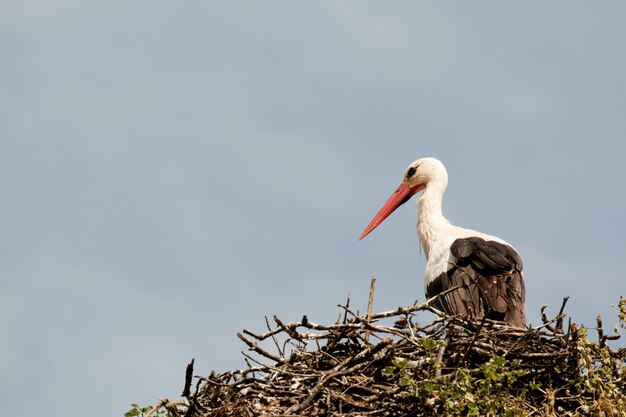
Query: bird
point(468, 273)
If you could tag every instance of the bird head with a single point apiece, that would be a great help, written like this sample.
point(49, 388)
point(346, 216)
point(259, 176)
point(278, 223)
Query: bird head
point(416, 177)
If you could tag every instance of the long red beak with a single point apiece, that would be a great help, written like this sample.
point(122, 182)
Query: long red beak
point(399, 197)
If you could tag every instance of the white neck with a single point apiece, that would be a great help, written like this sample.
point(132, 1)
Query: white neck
point(430, 220)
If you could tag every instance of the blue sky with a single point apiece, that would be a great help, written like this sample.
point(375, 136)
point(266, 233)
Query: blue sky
point(172, 173)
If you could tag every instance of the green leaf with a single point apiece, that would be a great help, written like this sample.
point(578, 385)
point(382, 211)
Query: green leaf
point(134, 411)
point(428, 343)
point(400, 364)
point(389, 370)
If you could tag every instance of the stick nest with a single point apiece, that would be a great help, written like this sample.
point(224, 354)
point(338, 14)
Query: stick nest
point(391, 364)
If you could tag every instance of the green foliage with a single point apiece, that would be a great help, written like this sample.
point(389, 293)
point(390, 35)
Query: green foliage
point(503, 387)
point(164, 408)
point(621, 315)
point(493, 392)
point(602, 383)
point(136, 410)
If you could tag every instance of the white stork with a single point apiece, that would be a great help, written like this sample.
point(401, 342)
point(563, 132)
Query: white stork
point(476, 274)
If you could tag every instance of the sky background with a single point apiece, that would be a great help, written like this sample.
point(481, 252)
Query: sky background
point(171, 173)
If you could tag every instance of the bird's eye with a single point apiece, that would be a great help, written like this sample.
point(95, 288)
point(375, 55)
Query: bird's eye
point(410, 172)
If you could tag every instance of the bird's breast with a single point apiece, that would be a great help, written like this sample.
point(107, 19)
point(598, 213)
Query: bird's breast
point(440, 260)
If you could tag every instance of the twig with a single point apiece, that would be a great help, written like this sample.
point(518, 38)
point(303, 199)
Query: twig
point(369, 308)
point(256, 348)
point(188, 377)
point(439, 360)
point(560, 316)
point(345, 312)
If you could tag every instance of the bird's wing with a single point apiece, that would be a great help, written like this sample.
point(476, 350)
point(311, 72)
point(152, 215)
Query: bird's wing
point(485, 281)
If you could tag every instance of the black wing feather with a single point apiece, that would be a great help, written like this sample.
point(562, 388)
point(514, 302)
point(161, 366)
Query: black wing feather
point(488, 282)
